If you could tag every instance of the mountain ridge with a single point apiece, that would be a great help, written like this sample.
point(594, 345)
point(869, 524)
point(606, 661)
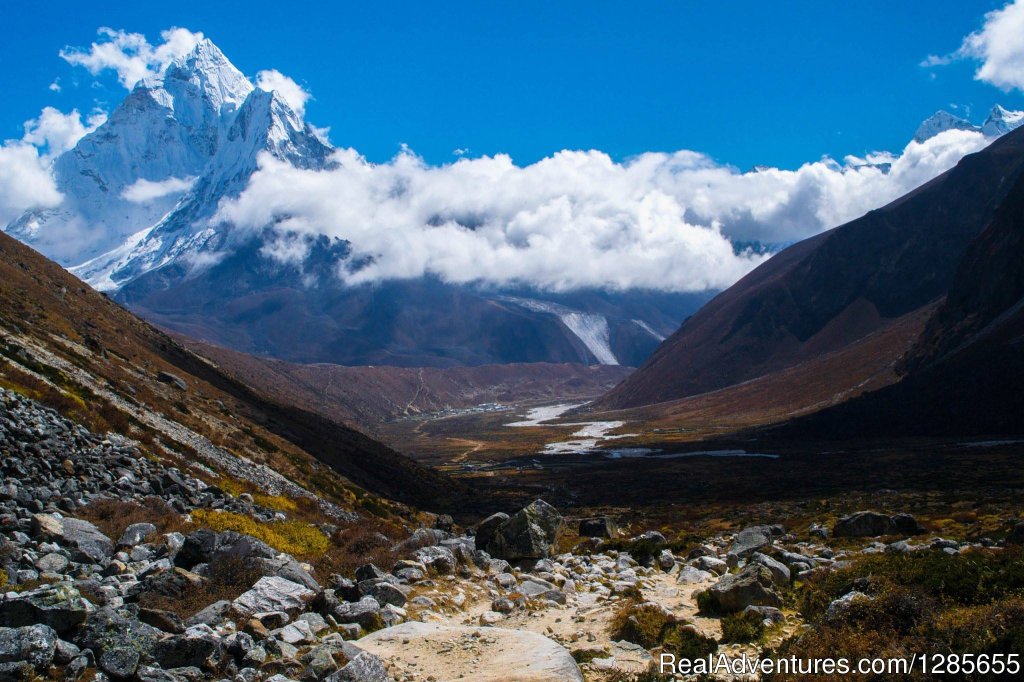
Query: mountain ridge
point(825, 292)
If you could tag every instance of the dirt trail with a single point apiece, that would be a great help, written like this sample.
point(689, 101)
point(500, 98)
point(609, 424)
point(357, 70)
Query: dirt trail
point(582, 623)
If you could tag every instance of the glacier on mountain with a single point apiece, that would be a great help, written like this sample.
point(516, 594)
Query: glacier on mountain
point(590, 328)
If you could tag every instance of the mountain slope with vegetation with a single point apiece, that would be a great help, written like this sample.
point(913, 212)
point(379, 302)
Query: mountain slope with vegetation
point(76, 350)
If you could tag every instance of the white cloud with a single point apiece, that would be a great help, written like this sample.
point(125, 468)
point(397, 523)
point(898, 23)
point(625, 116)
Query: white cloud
point(56, 132)
point(143, 190)
point(25, 181)
point(273, 80)
point(998, 45)
point(575, 219)
point(131, 55)
point(55, 86)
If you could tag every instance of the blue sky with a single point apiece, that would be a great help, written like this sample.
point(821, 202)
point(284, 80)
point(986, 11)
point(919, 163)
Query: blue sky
point(751, 83)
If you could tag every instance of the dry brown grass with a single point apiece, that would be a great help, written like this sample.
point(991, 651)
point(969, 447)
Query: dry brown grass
point(367, 541)
point(228, 578)
point(113, 516)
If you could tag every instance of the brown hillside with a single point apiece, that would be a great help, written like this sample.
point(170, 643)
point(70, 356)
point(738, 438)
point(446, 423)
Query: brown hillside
point(72, 347)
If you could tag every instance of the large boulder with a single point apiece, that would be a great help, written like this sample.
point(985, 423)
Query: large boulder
point(33, 644)
point(485, 531)
point(870, 524)
point(364, 667)
point(194, 648)
point(502, 654)
point(437, 560)
point(748, 541)
point(366, 612)
point(207, 547)
point(86, 542)
point(272, 593)
point(58, 605)
point(753, 586)
point(135, 534)
point(118, 642)
point(780, 572)
point(527, 534)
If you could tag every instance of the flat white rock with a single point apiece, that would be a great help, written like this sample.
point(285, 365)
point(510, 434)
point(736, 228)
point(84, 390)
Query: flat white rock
point(481, 654)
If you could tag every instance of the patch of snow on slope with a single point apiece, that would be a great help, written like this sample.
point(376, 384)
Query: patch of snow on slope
point(649, 329)
point(589, 328)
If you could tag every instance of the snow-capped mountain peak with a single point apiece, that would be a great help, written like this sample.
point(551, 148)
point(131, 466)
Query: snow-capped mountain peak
point(139, 190)
point(940, 122)
point(1001, 121)
point(207, 70)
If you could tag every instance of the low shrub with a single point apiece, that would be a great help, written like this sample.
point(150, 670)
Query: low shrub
point(368, 541)
point(299, 539)
point(227, 578)
point(113, 516)
point(685, 642)
point(651, 627)
point(742, 627)
point(640, 623)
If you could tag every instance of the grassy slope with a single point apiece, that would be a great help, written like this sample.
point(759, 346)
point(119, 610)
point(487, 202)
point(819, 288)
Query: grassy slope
point(48, 319)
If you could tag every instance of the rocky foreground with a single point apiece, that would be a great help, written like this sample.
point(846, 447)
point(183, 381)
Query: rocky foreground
point(499, 603)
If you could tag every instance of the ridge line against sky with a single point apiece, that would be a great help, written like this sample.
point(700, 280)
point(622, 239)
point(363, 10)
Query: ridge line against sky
point(675, 217)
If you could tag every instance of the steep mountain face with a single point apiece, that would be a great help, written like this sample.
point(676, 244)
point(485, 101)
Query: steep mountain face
point(65, 344)
point(824, 293)
point(963, 374)
point(140, 194)
point(258, 306)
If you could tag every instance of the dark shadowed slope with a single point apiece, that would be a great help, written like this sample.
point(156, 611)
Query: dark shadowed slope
point(104, 362)
point(964, 374)
point(828, 291)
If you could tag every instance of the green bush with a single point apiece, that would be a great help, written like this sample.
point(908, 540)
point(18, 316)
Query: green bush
point(685, 642)
point(742, 627)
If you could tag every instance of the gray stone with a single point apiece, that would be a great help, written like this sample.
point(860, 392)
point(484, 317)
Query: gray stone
point(52, 563)
point(365, 612)
point(212, 614)
point(750, 540)
point(485, 531)
point(710, 564)
point(33, 644)
point(769, 614)
point(689, 575)
point(172, 379)
point(117, 641)
point(274, 594)
point(86, 542)
point(191, 649)
point(527, 534)
point(874, 524)
point(780, 572)
point(753, 586)
point(365, 667)
point(58, 605)
point(384, 592)
point(438, 560)
point(135, 534)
